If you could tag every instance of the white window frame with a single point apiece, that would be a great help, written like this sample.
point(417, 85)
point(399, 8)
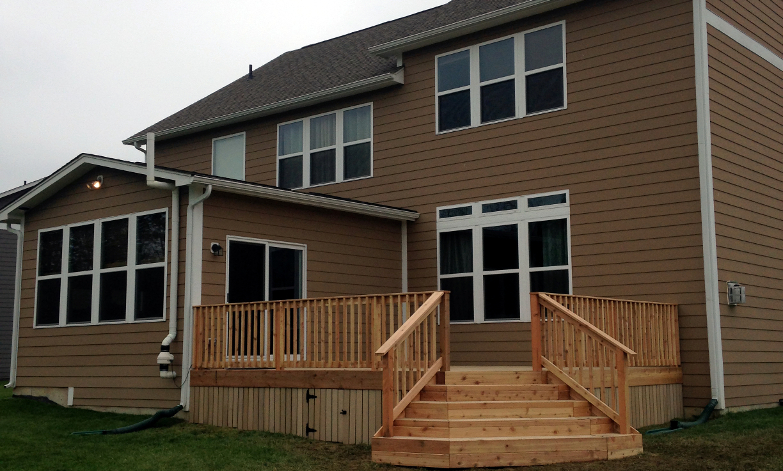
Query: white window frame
point(520, 216)
point(267, 244)
point(519, 78)
point(131, 268)
point(244, 152)
point(339, 146)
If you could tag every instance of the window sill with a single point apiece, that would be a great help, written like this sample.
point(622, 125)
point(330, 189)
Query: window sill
point(143, 321)
point(330, 183)
point(537, 113)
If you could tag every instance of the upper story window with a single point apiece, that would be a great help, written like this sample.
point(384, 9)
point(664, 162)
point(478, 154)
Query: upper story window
point(109, 270)
point(329, 148)
point(520, 75)
point(228, 156)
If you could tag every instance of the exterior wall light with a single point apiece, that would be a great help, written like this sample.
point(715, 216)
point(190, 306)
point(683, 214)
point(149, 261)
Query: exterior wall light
point(96, 184)
point(216, 249)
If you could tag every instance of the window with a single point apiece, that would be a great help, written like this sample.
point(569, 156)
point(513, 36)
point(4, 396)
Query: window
point(87, 270)
point(228, 156)
point(494, 255)
point(329, 148)
point(261, 270)
point(508, 78)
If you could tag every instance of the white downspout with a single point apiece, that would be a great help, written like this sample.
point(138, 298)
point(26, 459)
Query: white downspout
point(165, 358)
point(17, 295)
point(188, 308)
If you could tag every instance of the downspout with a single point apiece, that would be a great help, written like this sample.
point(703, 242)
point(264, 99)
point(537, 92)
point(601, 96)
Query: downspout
point(188, 308)
point(165, 358)
point(17, 295)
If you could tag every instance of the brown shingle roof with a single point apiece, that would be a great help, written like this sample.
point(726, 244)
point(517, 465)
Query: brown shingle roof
point(323, 65)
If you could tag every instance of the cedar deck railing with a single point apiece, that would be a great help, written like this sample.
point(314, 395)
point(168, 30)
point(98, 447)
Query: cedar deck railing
point(336, 332)
point(593, 362)
point(410, 358)
point(650, 329)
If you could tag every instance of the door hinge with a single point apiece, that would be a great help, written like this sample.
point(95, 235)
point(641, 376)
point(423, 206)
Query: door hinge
point(309, 396)
point(309, 430)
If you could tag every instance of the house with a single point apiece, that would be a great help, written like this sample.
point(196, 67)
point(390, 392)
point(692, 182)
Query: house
point(355, 229)
point(8, 276)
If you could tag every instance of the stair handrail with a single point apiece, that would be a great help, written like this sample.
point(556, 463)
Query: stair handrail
point(408, 356)
point(561, 341)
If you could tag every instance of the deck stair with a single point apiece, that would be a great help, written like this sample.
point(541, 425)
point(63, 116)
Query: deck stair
point(466, 419)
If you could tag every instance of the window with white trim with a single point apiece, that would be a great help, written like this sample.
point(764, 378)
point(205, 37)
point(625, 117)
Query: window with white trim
point(492, 254)
point(329, 148)
point(508, 78)
point(228, 156)
point(103, 271)
point(263, 270)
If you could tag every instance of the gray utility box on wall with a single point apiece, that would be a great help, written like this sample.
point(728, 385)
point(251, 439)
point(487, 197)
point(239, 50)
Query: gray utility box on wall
point(736, 293)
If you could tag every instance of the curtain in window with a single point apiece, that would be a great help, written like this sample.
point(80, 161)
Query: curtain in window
point(322, 131)
point(290, 138)
point(456, 252)
point(555, 245)
point(356, 124)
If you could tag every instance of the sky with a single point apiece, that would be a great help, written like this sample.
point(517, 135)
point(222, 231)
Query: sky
point(82, 75)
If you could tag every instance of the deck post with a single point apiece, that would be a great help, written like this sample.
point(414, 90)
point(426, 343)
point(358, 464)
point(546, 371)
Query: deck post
point(277, 336)
point(623, 403)
point(535, 331)
point(445, 332)
point(388, 393)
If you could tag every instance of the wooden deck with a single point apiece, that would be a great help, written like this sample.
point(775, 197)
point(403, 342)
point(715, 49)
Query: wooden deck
point(377, 369)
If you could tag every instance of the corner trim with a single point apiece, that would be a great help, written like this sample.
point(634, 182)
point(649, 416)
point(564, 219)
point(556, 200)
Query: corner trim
point(340, 91)
point(709, 243)
point(469, 25)
point(743, 39)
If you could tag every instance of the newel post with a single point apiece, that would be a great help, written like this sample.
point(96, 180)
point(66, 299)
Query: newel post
point(623, 403)
point(535, 331)
point(445, 332)
point(388, 393)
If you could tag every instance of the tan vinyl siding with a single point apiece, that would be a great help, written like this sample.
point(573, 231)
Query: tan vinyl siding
point(346, 254)
point(108, 365)
point(747, 137)
point(760, 19)
point(625, 148)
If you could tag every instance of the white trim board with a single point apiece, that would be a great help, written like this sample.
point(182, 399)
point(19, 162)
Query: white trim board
point(709, 244)
point(743, 39)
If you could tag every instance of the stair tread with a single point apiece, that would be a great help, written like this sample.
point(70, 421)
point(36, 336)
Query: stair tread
point(509, 419)
point(527, 438)
point(564, 402)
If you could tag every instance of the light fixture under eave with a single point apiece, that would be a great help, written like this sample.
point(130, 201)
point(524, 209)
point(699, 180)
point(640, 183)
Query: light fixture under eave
point(96, 184)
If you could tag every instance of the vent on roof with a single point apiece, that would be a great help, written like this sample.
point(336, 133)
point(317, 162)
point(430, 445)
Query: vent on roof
point(250, 73)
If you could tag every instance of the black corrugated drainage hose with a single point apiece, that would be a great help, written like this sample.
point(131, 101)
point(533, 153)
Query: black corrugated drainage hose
point(675, 425)
point(144, 424)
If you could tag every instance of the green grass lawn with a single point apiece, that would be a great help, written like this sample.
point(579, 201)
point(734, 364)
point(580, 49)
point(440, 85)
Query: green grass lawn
point(36, 436)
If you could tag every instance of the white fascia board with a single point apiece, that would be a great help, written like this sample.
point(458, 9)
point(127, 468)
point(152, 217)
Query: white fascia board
point(321, 96)
point(306, 199)
point(743, 39)
point(471, 25)
point(706, 188)
point(73, 171)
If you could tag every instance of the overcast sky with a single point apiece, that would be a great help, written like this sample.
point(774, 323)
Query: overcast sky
point(82, 75)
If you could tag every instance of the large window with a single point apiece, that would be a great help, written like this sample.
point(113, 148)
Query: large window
point(507, 78)
point(329, 148)
point(492, 254)
point(109, 270)
point(228, 156)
